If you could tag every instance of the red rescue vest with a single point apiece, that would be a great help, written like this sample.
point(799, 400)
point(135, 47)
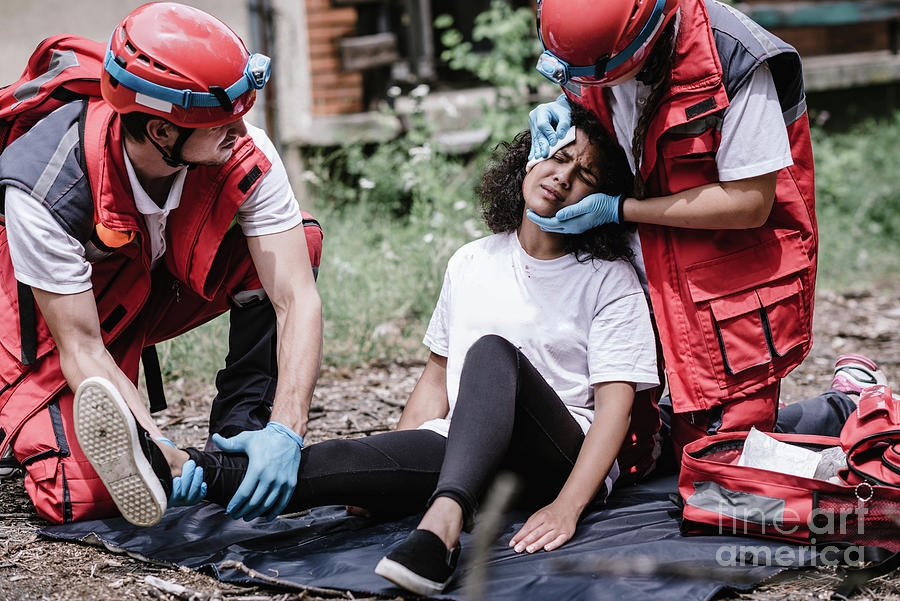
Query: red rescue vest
point(733, 307)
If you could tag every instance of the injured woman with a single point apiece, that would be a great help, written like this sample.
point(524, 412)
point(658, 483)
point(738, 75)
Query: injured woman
point(539, 342)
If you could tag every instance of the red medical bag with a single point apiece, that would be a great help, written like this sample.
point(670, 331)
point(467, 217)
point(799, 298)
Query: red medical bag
point(722, 497)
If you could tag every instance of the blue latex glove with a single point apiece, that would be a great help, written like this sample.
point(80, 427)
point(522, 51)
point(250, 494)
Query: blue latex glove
point(188, 488)
point(274, 454)
point(541, 121)
point(587, 213)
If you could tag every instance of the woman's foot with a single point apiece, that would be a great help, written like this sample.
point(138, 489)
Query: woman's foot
point(425, 561)
point(131, 465)
point(421, 564)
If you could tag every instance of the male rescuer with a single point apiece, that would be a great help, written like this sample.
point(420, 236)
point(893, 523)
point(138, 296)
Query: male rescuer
point(132, 218)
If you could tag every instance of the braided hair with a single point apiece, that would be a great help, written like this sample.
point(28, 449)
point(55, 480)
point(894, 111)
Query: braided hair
point(655, 73)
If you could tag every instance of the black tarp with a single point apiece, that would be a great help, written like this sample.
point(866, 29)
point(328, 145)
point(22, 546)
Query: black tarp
point(329, 549)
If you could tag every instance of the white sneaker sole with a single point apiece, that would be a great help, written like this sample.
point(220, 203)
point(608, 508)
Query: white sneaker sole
point(108, 436)
point(403, 577)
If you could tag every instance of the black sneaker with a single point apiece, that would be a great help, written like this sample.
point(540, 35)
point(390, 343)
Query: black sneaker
point(421, 563)
point(131, 466)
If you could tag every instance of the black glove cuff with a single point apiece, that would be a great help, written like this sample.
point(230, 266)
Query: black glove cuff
point(621, 214)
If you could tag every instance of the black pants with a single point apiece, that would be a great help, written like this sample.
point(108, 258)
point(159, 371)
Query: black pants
point(823, 415)
point(506, 418)
point(246, 385)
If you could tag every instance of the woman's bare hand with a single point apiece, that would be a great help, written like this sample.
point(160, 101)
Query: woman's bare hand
point(547, 528)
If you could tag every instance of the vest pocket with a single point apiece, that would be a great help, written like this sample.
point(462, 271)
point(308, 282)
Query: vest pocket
point(783, 316)
point(754, 328)
point(690, 161)
point(12, 359)
point(738, 325)
point(752, 310)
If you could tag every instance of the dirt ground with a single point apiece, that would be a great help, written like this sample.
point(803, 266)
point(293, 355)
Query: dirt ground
point(361, 401)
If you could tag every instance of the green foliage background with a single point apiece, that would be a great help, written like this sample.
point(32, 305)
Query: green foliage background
point(393, 214)
point(858, 203)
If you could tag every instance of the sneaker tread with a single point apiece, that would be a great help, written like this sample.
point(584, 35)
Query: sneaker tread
point(108, 436)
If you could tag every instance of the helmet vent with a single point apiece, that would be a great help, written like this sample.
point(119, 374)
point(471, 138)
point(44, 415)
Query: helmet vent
point(130, 48)
point(634, 11)
point(159, 66)
point(144, 59)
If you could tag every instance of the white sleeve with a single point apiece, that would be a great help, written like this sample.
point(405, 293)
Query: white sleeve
point(271, 207)
point(754, 137)
point(621, 344)
point(43, 255)
point(437, 336)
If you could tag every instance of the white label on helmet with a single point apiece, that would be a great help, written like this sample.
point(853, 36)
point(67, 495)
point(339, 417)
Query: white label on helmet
point(153, 103)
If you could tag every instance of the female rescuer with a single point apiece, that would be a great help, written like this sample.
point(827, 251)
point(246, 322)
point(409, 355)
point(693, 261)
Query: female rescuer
point(711, 112)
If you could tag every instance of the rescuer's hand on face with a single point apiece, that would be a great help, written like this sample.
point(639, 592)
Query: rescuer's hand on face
point(589, 212)
point(548, 123)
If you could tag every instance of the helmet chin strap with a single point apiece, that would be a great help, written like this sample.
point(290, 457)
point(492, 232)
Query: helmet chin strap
point(173, 157)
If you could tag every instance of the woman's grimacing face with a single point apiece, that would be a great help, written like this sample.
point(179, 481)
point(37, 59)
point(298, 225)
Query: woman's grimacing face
point(564, 178)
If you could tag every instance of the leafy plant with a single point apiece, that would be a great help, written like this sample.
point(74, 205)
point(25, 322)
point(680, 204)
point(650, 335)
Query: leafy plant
point(513, 46)
point(390, 176)
point(508, 64)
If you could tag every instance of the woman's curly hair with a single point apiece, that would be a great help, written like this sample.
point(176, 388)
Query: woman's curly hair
point(502, 203)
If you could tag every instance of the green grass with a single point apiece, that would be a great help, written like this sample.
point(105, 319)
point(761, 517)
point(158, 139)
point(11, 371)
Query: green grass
point(197, 355)
point(381, 274)
point(858, 203)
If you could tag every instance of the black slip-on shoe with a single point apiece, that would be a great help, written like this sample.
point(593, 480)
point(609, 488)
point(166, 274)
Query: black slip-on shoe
point(421, 563)
point(130, 465)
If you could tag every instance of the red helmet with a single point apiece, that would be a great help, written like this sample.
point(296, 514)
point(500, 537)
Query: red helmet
point(182, 64)
point(598, 43)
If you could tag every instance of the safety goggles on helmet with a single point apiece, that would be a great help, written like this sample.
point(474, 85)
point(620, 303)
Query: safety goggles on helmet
point(559, 71)
point(256, 73)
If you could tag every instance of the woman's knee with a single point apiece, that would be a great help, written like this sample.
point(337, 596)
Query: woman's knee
point(492, 348)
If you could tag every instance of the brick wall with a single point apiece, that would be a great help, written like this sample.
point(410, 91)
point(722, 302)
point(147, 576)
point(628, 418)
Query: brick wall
point(334, 91)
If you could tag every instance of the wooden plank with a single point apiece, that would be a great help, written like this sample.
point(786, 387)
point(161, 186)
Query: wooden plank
point(819, 14)
point(367, 51)
point(841, 71)
point(333, 130)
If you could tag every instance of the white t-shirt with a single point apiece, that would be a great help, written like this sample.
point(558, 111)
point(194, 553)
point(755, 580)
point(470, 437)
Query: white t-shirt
point(754, 137)
point(578, 323)
point(46, 257)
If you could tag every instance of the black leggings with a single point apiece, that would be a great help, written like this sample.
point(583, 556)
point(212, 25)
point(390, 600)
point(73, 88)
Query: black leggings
point(506, 417)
